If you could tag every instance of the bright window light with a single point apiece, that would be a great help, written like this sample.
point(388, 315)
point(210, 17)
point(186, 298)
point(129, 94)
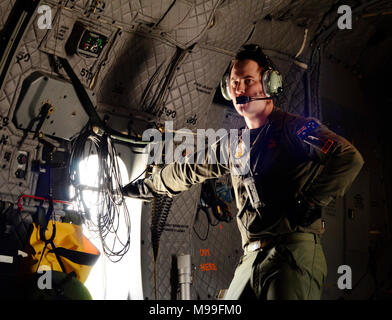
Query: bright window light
point(109, 280)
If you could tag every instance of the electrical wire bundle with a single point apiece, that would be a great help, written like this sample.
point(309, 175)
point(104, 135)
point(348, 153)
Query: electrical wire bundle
point(109, 210)
point(209, 201)
point(202, 206)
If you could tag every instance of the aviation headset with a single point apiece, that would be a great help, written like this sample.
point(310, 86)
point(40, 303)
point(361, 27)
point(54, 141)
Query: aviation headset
point(271, 78)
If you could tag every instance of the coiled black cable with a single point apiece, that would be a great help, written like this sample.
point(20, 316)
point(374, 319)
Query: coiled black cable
point(112, 212)
point(160, 211)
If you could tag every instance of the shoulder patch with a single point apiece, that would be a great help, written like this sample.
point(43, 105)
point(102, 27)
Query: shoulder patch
point(305, 134)
point(308, 127)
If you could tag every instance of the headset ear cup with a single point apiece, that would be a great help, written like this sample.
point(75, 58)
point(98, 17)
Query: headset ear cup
point(272, 83)
point(225, 87)
point(275, 83)
point(265, 81)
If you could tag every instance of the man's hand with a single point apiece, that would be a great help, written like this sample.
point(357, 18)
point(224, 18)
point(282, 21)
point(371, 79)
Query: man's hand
point(138, 190)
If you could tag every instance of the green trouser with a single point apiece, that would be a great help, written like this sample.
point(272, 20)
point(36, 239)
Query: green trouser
point(294, 268)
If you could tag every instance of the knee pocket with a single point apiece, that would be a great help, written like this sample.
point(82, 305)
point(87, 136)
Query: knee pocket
point(289, 272)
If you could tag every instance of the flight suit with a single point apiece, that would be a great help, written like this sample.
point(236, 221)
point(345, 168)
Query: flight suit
point(298, 166)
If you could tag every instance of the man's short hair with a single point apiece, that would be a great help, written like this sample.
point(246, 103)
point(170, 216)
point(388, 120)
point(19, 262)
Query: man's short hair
point(252, 52)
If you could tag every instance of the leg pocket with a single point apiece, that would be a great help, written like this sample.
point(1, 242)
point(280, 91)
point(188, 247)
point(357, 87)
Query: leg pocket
point(301, 275)
point(275, 272)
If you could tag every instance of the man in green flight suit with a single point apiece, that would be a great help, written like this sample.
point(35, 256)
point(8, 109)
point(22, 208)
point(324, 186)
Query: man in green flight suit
point(296, 167)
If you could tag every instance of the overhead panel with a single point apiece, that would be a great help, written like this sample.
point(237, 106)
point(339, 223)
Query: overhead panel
point(75, 38)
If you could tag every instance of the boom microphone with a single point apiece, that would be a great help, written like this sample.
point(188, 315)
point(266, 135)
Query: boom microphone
point(246, 99)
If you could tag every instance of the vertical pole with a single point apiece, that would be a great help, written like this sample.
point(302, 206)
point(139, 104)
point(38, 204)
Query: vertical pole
point(184, 275)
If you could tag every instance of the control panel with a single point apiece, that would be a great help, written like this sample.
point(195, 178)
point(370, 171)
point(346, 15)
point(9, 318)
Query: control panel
point(15, 162)
point(91, 43)
point(85, 41)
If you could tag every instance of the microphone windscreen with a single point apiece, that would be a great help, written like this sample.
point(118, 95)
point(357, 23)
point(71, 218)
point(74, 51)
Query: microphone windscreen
point(242, 99)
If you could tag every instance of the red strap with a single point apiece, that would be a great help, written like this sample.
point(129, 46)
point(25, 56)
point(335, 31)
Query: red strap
point(38, 198)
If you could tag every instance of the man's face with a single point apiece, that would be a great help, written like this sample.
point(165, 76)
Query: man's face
point(245, 80)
